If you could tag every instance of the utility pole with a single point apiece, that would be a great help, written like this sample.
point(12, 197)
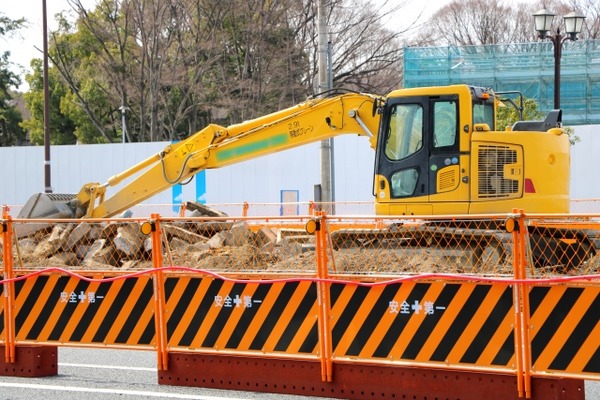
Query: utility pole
point(326, 148)
point(48, 188)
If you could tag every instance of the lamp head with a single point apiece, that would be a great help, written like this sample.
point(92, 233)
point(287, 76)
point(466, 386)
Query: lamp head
point(573, 24)
point(543, 22)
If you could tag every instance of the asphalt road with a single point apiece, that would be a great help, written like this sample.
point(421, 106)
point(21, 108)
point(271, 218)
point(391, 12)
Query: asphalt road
point(103, 374)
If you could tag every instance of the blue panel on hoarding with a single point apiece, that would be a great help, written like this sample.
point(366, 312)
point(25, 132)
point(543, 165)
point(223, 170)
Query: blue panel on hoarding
point(200, 191)
point(178, 196)
point(201, 187)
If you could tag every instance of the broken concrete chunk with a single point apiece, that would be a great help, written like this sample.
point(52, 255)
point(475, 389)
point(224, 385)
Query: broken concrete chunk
point(125, 214)
point(178, 244)
point(204, 210)
point(217, 241)
point(100, 253)
point(209, 228)
point(198, 247)
point(129, 239)
point(148, 244)
point(183, 234)
point(129, 264)
point(65, 258)
point(82, 250)
point(27, 245)
point(240, 234)
point(54, 242)
point(78, 233)
point(265, 236)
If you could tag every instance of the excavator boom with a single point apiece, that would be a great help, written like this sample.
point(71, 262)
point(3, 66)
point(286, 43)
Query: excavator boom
point(215, 147)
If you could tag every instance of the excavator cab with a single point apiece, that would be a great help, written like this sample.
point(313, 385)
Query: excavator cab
point(439, 152)
point(421, 145)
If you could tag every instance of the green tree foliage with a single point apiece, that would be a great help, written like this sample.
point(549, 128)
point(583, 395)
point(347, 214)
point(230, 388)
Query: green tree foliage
point(61, 127)
point(509, 113)
point(176, 66)
point(11, 132)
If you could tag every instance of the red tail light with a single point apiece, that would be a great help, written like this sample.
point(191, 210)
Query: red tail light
point(529, 186)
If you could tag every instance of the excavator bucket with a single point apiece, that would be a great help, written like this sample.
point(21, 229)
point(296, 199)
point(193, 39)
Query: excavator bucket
point(44, 206)
point(48, 206)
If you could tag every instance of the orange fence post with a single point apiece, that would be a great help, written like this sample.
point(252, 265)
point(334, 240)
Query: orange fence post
point(245, 209)
point(159, 295)
point(325, 345)
point(521, 306)
point(9, 322)
point(524, 289)
point(182, 208)
point(517, 305)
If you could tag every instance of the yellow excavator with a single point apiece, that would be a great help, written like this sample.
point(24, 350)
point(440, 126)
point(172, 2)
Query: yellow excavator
point(438, 152)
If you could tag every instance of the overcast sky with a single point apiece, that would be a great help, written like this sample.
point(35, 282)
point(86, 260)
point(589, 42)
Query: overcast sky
point(24, 47)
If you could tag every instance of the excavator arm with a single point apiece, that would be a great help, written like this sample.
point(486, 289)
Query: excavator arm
point(215, 147)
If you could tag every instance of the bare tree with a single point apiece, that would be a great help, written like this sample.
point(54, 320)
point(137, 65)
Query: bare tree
point(481, 22)
point(260, 59)
point(366, 46)
point(472, 22)
point(591, 9)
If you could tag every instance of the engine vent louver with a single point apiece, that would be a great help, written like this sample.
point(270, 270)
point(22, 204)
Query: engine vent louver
point(491, 166)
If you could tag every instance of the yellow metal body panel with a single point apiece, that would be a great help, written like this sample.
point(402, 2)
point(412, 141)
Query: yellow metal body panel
point(543, 159)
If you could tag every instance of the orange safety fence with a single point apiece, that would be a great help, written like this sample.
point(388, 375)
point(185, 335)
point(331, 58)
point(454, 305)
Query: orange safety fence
point(261, 209)
point(506, 293)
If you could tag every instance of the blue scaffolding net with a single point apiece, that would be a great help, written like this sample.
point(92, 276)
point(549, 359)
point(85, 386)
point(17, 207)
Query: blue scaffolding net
point(524, 67)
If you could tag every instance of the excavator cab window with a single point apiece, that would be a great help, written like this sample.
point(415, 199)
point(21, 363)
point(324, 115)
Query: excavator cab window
point(405, 132)
point(404, 182)
point(483, 113)
point(404, 138)
point(483, 108)
point(445, 124)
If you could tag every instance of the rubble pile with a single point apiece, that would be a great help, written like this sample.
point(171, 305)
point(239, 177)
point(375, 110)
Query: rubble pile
point(223, 246)
point(220, 245)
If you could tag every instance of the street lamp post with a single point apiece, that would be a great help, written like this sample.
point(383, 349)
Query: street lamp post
point(543, 25)
point(124, 109)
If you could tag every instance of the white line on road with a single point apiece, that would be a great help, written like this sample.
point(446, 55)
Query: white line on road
point(114, 391)
point(75, 365)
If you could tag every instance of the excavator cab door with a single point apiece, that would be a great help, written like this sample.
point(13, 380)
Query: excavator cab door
point(419, 140)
